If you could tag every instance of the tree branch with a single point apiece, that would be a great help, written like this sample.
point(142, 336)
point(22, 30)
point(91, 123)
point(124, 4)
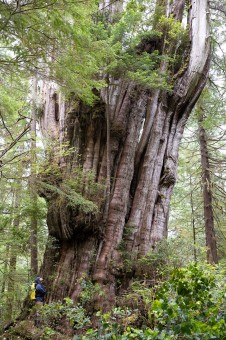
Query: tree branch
point(26, 129)
point(10, 160)
point(217, 7)
point(3, 122)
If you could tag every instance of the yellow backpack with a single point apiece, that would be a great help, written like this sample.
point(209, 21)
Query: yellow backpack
point(32, 291)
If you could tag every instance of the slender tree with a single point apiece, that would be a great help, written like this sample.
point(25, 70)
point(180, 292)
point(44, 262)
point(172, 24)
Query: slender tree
point(193, 223)
point(13, 252)
point(211, 243)
point(33, 186)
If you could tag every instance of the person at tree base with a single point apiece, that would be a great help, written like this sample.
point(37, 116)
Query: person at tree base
point(40, 293)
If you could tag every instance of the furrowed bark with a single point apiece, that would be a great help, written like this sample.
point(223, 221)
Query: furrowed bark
point(120, 196)
point(138, 147)
point(148, 225)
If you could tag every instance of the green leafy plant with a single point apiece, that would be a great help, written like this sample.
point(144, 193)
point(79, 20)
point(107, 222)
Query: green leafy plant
point(54, 313)
point(47, 333)
point(191, 304)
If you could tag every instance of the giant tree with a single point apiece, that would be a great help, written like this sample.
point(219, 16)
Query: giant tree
point(109, 197)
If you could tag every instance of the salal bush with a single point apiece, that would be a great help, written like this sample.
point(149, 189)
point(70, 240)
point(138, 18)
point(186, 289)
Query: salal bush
point(191, 304)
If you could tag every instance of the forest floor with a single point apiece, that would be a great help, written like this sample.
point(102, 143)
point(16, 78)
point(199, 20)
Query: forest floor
point(27, 330)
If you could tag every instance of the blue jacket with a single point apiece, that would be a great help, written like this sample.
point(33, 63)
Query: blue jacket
point(39, 290)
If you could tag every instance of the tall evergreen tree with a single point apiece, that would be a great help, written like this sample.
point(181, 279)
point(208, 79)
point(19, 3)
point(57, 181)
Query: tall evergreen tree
point(32, 182)
point(211, 243)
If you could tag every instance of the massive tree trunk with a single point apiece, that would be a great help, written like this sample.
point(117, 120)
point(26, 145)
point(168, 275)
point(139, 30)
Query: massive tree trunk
point(129, 141)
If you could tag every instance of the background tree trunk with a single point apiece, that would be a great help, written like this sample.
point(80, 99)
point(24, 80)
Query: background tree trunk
point(211, 243)
point(193, 222)
point(33, 185)
point(145, 129)
point(13, 252)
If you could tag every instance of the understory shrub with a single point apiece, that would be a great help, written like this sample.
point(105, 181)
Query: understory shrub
point(55, 314)
point(189, 305)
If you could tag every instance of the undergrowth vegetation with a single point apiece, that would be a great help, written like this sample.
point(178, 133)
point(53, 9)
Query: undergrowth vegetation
point(190, 304)
point(170, 299)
